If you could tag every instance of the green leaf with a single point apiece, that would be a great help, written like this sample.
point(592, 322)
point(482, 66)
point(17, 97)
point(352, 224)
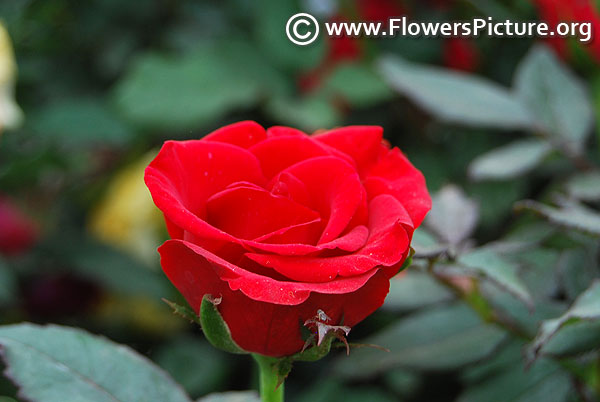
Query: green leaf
point(271, 17)
point(488, 265)
point(413, 290)
point(79, 122)
point(571, 215)
point(584, 186)
point(453, 216)
point(194, 364)
point(183, 311)
point(545, 381)
point(426, 245)
point(585, 308)
point(215, 328)
point(161, 92)
point(231, 396)
point(558, 100)
point(8, 284)
point(441, 338)
point(455, 97)
point(357, 84)
point(50, 362)
point(111, 268)
point(509, 161)
point(308, 113)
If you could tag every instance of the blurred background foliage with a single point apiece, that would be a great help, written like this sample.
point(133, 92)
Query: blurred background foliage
point(502, 302)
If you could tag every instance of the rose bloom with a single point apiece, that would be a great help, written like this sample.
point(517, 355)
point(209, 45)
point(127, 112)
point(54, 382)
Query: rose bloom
point(280, 224)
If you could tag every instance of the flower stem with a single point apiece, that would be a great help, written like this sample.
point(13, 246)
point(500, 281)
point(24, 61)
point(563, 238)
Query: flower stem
point(269, 391)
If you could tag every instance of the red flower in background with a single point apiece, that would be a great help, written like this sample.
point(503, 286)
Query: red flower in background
point(460, 54)
point(18, 232)
point(557, 11)
point(279, 225)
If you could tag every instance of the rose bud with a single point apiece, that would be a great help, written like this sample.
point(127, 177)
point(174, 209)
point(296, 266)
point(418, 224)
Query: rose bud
point(278, 225)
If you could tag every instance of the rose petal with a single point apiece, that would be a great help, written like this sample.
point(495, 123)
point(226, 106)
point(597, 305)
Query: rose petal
point(334, 189)
point(360, 142)
point(186, 173)
point(249, 213)
point(390, 231)
point(277, 153)
point(256, 287)
point(243, 134)
point(260, 327)
point(277, 131)
point(393, 174)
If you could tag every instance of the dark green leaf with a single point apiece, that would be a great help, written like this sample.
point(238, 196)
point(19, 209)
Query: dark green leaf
point(545, 381)
point(271, 17)
point(184, 92)
point(441, 338)
point(79, 122)
point(194, 364)
point(8, 284)
point(585, 308)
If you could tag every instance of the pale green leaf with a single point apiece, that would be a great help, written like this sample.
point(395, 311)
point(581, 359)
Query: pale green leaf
point(509, 161)
point(453, 216)
point(357, 84)
point(50, 362)
point(570, 215)
point(556, 97)
point(456, 97)
point(489, 265)
point(584, 186)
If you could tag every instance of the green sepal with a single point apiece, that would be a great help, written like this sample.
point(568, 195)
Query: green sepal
point(215, 328)
point(183, 311)
point(407, 263)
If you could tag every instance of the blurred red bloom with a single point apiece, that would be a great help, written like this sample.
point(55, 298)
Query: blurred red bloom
point(18, 232)
point(557, 11)
point(460, 54)
point(379, 10)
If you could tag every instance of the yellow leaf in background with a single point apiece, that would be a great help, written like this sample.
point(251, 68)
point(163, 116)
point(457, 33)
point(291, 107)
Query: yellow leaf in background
point(11, 115)
point(126, 217)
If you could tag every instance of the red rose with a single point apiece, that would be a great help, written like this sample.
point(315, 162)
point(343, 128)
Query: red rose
point(460, 54)
point(555, 12)
point(18, 232)
point(280, 224)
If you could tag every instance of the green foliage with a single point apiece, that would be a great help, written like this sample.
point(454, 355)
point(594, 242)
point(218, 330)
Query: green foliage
point(440, 338)
point(509, 161)
point(215, 329)
point(89, 368)
point(500, 300)
point(482, 102)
